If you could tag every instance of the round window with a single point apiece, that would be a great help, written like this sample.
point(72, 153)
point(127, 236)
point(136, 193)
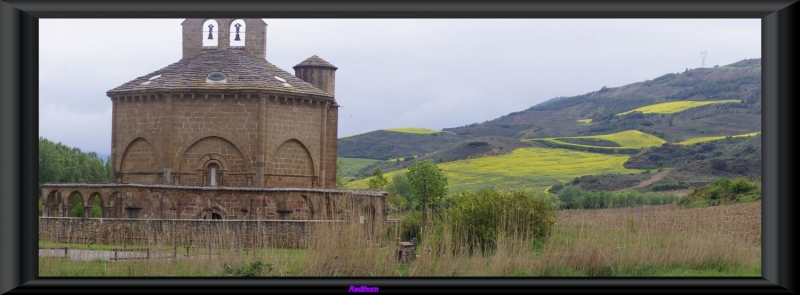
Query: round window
point(217, 76)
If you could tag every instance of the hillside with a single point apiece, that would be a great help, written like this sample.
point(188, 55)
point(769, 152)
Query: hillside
point(650, 125)
point(534, 168)
point(385, 145)
point(475, 147)
point(557, 118)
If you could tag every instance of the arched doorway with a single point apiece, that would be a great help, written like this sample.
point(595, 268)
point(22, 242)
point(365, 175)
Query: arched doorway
point(216, 216)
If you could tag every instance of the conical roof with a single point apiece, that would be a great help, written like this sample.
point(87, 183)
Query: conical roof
point(315, 61)
point(242, 71)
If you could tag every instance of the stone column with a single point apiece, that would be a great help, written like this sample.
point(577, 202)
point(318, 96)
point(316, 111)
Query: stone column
point(322, 136)
point(44, 210)
point(261, 140)
point(114, 116)
point(167, 132)
point(87, 212)
point(66, 210)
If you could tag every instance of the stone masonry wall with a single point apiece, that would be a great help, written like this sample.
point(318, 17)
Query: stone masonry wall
point(293, 126)
point(291, 166)
point(226, 127)
point(234, 174)
point(198, 118)
point(139, 125)
point(171, 231)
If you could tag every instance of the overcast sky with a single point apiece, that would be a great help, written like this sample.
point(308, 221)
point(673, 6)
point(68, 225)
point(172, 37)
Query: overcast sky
point(432, 73)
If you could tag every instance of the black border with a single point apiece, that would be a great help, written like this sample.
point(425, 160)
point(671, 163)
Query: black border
point(19, 127)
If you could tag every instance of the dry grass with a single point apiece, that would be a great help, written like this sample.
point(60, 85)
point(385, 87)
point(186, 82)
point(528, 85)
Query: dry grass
point(649, 241)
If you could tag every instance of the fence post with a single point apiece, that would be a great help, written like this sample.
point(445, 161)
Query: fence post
point(116, 254)
point(65, 252)
point(148, 253)
point(175, 252)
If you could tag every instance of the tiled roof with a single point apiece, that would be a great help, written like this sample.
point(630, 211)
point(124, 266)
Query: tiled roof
point(244, 72)
point(315, 61)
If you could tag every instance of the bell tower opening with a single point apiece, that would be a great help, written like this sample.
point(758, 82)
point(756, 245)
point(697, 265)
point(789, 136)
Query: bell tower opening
point(210, 33)
point(238, 33)
point(246, 34)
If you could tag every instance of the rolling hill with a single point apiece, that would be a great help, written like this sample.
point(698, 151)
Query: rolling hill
point(631, 124)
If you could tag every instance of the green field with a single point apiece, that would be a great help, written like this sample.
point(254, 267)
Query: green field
point(532, 168)
point(352, 165)
point(626, 139)
point(712, 138)
point(675, 106)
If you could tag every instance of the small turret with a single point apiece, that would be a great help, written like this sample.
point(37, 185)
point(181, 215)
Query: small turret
point(318, 72)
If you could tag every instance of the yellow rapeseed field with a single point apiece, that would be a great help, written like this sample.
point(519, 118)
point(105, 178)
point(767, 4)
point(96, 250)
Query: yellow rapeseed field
point(626, 139)
point(675, 106)
point(532, 168)
point(585, 121)
point(712, 138)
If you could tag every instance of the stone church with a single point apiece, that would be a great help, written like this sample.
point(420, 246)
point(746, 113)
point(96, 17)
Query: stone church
point(224, 116)
point(223, 134)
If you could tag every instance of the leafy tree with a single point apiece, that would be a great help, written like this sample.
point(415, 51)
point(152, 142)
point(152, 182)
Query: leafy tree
point(400, 190)
point(378, 181)
point(569, 196)
point(428, 185)
point(59, 163)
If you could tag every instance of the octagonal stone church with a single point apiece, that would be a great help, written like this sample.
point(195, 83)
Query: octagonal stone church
point(223, 134)
point(224, 116)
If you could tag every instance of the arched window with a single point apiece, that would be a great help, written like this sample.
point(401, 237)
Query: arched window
point(237, 33)
point(212, 172)
point(210, 33)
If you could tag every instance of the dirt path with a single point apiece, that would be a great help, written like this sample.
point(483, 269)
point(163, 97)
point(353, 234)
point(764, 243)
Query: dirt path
point(656, 177)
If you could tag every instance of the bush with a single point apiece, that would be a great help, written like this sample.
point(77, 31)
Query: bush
point(718, 164)
point(669, 186)
point(252, 269)
point(479, 217)
point(741, 185)
point(409, 226)
point(570, 195)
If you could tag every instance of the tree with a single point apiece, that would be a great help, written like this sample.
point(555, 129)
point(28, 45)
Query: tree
point(570, 196)
point(428, 184)
point(378, 181)
point(400, 191)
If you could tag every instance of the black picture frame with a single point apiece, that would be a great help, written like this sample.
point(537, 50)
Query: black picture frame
point(19, 131)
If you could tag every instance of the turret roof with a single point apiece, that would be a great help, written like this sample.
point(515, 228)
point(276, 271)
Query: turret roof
point(315, 61)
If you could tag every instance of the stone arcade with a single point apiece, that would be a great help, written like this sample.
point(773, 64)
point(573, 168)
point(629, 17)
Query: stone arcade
point(223, 134)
